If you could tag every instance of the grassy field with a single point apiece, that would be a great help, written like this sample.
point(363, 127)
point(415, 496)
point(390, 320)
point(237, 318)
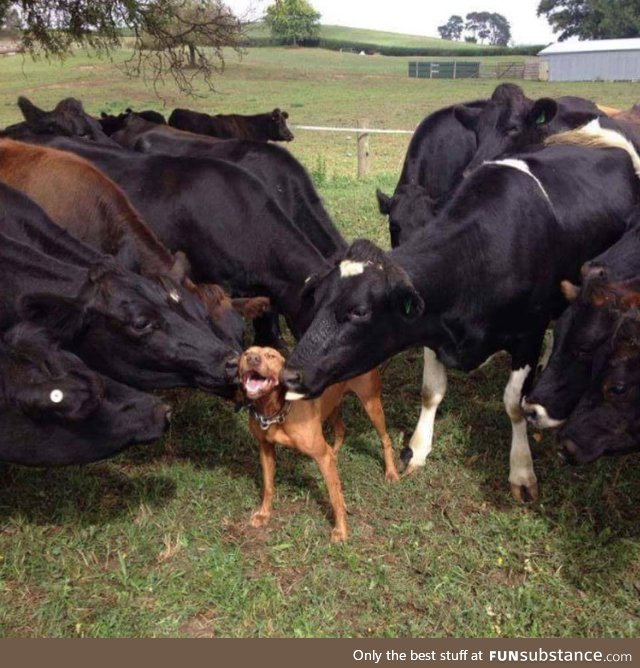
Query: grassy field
point(156, 542)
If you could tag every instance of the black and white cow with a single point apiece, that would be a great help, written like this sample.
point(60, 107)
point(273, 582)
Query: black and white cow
point(484, 276)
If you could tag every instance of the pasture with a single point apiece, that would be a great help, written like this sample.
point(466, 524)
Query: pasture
point(156, 542)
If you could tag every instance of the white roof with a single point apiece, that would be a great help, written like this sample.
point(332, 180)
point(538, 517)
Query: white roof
point(632, 44)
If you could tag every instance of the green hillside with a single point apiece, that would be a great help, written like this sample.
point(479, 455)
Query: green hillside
point(360, 35)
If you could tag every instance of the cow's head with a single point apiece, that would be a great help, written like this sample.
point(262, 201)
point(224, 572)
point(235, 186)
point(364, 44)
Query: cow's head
point(606, 421)
point(278, 130)
point(496, 123)
point(68, 119)
point(142, 332)
point(44, 381)
point(363, 308)
point(578, 335)
point(55, 410)
point(111, 124)
point(409, 209)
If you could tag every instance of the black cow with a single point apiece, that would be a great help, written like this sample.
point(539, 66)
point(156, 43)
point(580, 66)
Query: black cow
point(129, 327)
point(68, 118)
point(466, 287)
point(55, 410)
point(222, 212)
point(438, 153)
point(270, 126)
point(511, 122)
point(606, 420)
point(111, 124)
point(283, 177)
point(581, 330)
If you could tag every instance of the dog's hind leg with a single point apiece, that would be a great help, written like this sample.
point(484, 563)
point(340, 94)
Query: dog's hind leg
point(339, 430)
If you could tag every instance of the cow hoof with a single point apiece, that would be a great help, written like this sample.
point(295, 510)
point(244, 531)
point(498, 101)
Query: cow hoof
point(259, 519)
point(525, 493)
point(338, 535)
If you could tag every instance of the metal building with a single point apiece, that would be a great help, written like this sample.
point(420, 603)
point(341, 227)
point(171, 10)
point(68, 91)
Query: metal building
point(593, 60)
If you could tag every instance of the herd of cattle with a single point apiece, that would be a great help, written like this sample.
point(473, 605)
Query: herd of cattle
point(133, 250)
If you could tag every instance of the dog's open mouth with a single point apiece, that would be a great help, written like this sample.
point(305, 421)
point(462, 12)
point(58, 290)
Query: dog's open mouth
point(256, 385)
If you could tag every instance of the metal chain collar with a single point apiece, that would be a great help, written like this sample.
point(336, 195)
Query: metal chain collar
point(265, 421)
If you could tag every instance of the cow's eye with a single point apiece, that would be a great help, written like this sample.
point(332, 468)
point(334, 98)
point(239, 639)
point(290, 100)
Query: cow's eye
point(618, 389)
point(142, 325)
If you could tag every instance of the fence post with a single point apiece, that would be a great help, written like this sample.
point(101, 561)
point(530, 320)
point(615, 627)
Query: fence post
point(454, 69)
point(363, 150)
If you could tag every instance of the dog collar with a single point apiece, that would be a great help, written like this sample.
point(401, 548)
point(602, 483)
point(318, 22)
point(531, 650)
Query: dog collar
point(265, 421)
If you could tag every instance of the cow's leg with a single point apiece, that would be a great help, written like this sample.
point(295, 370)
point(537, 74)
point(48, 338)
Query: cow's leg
point(434, 386)
point(522, 478)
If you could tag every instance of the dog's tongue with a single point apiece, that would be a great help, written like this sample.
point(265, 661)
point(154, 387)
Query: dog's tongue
point(255, 385)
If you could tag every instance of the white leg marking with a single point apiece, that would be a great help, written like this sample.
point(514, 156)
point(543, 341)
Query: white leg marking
point(521, 465)
point(434, 386)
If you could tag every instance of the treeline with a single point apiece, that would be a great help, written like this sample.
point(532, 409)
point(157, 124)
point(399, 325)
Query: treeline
point(334, 44)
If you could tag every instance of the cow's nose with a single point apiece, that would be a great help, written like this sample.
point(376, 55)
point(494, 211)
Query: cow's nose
point(168, 413)
point(592, 271)
point(231, 366)
point(292, 378)
point(569, 451)
point(530, 411)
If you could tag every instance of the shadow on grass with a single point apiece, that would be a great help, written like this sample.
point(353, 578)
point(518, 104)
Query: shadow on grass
point(94, 494)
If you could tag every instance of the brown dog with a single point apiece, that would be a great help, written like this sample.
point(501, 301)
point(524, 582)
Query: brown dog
point(298, 425)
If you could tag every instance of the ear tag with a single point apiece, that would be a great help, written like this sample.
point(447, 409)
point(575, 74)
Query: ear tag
point(173, 294)
point(408, 307)
point(56, 396)
point(541, 119)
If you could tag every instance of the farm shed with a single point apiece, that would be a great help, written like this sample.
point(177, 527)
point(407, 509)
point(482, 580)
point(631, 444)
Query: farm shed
point(593, 60)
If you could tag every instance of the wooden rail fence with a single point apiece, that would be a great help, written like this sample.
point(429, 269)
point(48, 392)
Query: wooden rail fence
point(362, 132)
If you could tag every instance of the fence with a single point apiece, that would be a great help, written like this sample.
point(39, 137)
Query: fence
point(444, 70)
point(362, 132)
point(461, 69)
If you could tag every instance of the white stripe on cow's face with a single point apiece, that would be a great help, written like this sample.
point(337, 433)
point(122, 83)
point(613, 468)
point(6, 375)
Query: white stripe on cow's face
point(523, 167)
point(351, 268)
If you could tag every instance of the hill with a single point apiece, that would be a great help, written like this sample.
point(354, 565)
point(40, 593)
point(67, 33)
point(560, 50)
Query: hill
point(387, 43)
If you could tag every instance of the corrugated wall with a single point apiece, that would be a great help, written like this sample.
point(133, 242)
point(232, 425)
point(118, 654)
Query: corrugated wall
point(602, 65)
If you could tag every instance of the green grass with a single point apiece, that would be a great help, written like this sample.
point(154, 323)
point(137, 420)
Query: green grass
point(156, 542)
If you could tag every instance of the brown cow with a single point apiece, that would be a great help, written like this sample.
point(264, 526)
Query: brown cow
point(85, 202)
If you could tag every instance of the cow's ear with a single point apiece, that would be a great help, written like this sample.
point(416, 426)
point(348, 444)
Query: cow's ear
point(543, 112)
point(285, 114)
point(29, 110)
point(276, 112)
point(569, 290)
point(61, 317)
point(467, 116)
point(180, 268)
point(384, 202)
point(251, 307)
point(407, 301)
point(103, 115)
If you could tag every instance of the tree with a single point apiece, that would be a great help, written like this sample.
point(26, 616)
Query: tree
point(488, 26)
point(292, 20)
point(167, 34)
point(453, 28)
point(592, 19)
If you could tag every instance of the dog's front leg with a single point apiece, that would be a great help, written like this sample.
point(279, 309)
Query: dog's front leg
point(268, 462)
point(326, 460)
